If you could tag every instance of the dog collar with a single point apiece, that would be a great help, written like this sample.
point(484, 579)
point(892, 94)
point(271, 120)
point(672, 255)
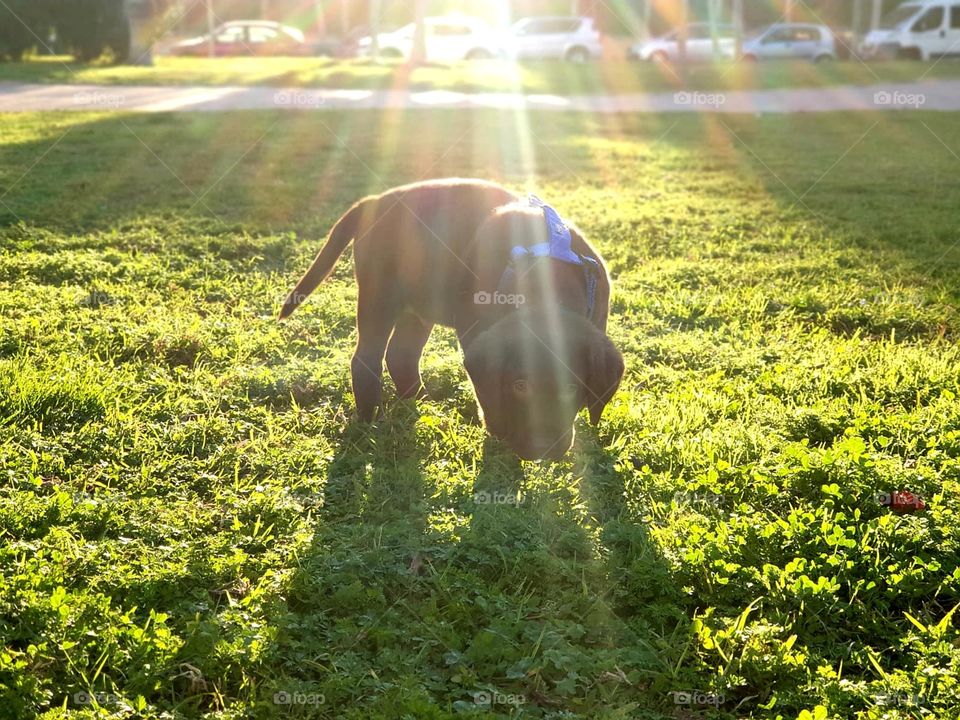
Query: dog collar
point(559, 246)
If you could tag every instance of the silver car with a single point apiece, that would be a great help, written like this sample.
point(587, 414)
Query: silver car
point(568, 38)
point(792, 41)
point(700, 45)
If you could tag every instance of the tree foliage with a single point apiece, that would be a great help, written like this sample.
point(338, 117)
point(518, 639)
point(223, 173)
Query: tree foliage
point(85, 29)
point(20, 21)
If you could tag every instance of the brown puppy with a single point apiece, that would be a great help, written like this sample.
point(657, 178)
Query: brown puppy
point(532, 327)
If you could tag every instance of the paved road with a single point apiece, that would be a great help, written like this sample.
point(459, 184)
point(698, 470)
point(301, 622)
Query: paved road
point(943, 95)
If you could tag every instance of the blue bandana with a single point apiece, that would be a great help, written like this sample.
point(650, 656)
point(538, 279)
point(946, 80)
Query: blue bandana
point(559, 247)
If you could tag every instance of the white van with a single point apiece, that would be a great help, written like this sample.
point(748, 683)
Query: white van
point(921, 29)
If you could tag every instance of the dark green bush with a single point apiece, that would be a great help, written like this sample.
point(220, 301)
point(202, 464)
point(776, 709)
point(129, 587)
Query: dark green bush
point(86, 29)
point(89, 28)
point(21, 21)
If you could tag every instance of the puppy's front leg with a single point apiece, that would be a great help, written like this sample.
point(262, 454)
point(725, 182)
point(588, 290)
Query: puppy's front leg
point(403, 355)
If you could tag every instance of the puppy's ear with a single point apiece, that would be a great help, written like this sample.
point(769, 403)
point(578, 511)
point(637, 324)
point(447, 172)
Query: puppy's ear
point(484, 361)
point(604, 370)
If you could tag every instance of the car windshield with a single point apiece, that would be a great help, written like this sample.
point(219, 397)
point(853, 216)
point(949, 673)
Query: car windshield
point(898, 17)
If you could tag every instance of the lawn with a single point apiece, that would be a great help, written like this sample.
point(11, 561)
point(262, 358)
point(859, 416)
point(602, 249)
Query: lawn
point(191, 525)
point(534, 77)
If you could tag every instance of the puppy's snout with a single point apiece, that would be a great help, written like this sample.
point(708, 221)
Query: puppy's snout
point(546, 449)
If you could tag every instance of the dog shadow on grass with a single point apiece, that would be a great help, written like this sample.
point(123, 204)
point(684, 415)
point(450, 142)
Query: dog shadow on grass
point(566, 534)
point(549, 545)
point(377, 471)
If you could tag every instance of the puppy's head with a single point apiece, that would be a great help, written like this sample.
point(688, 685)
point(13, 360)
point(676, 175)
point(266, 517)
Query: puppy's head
point(534, 370)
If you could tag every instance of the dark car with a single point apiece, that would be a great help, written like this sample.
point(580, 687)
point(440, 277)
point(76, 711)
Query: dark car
point(245, 38)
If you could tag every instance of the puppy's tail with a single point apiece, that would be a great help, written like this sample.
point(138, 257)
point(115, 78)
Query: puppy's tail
point(340, 236)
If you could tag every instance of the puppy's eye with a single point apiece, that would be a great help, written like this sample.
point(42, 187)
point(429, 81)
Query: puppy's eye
point(521, 388)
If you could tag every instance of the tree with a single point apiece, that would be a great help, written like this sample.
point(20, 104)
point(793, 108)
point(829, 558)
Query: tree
point(714, 10)
point(738, 27)
point(645, 19)
point(419, 53)
point(344, 18)
point(875, 15)
point(857, 24)
point(683, 33)
point(84, 28)
point(320, 21)
point(21, 22)
point(375, 10)
point(89, 28)
point(788, 9)
point(211, 21)
point(149, 20)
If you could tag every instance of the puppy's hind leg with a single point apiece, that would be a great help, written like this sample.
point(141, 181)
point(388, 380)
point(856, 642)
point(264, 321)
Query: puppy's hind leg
point(403, 354)
point(374, 324)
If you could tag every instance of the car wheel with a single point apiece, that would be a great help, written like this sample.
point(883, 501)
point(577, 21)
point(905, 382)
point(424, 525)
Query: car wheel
point(391, 53)
point(750, 58)
point(825, 58)
point(479, 54)
point(578, 55)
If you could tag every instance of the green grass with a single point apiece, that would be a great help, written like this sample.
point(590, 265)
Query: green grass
point(535, 77)
point(190, 522)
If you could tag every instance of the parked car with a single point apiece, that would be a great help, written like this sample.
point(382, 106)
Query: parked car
point(921, 29)
point(785, 41)
point(568, 38)
point(699, 45)
point(246, 37)
point(448, 38)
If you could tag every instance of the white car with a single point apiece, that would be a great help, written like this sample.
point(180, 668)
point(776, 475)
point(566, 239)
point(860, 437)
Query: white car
point(448, 38)
point(788, 41)
point(559, 38)
point(699, 45)
point(921, 29)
